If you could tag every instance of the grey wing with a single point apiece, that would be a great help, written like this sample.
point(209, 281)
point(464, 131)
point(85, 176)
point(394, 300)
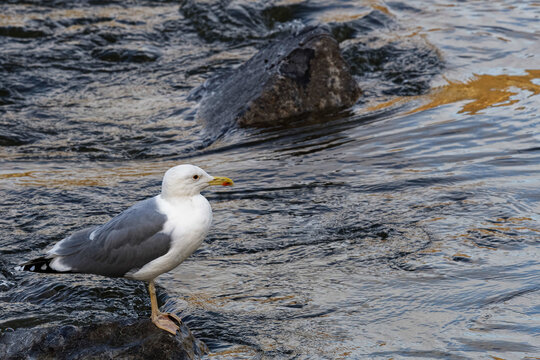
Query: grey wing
point(127, 242)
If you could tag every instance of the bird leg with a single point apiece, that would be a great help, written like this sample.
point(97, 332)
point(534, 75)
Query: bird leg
point(162, 320)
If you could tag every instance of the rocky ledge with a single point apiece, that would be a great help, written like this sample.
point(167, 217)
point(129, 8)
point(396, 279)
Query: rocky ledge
point(126, 339)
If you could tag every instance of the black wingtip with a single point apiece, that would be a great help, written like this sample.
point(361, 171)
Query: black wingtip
point(40, 265)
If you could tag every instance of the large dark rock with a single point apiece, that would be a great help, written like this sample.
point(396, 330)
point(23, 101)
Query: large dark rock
point(127, 339)
point(300, 74)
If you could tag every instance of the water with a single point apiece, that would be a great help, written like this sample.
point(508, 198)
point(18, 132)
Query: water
point(405, 227)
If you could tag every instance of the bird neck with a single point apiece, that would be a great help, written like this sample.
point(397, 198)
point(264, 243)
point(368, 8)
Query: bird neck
point(176, 198)
point(173, 191)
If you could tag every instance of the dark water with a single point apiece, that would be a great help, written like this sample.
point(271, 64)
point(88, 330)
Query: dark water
point(405, 227)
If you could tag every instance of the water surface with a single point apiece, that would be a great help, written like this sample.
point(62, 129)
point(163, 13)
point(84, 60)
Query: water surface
point(405, 227)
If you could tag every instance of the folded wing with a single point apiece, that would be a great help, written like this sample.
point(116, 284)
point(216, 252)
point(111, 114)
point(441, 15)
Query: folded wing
point(125, 243)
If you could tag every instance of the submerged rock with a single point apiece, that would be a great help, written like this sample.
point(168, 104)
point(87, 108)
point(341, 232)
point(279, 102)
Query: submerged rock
point(399, 68)
point(229, 21)
point(385, 64)
point(22, 32)
point(127, 339)
point(119, 54)
point(297, 75)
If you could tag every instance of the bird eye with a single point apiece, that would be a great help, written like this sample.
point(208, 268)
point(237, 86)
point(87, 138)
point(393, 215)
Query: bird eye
point(195, 177)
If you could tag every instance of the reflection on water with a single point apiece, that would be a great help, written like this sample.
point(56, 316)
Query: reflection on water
point(407, 226)
point(480, 92)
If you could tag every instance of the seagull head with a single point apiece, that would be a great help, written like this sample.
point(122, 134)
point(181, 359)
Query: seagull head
point(189, 180)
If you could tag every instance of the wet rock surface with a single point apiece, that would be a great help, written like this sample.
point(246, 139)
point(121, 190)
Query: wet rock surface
point(125, 339)
point(297, 75)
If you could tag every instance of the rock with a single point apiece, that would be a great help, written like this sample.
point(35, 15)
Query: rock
point(119, 54)
point(126, 339)
point(300, 74)
point(22, 32)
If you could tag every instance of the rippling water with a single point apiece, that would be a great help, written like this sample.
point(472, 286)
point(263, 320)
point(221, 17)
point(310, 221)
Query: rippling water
point(405, 227)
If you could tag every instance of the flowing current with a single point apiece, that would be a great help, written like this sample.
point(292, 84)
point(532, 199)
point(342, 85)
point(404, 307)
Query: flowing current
point(405, 227)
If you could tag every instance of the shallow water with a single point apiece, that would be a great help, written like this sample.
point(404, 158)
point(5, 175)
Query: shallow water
point(405, 227)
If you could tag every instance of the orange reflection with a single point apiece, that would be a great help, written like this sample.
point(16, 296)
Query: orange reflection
point(513, 220)
point(86, 177)
point(205, 301)
point(16, 175)
point(235, 351)
point(342, 17)
point(345, 16)
point(483, 91)
point(377, 5)
point(381, 8)
point(97, 175)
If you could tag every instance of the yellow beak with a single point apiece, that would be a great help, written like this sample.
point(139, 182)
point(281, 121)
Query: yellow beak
point(221, 180)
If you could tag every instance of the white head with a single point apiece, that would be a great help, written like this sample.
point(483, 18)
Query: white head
point(189, 180)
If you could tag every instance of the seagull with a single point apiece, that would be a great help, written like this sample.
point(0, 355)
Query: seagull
point(148, 239)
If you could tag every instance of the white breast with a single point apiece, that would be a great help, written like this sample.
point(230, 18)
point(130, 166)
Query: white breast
point(188, 222)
